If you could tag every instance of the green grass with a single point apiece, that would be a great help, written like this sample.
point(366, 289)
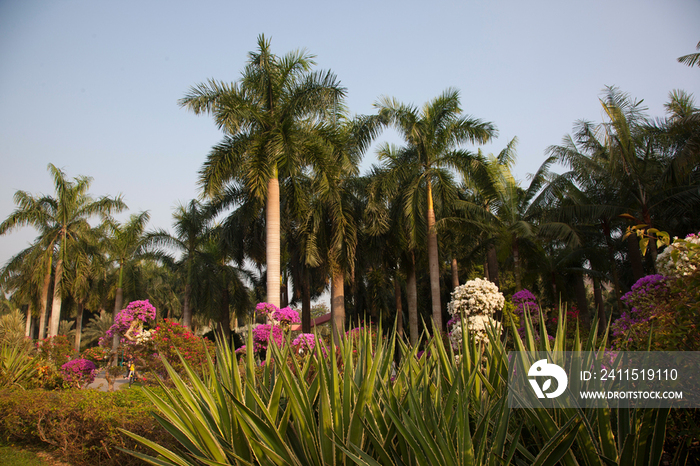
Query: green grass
point(15, 456)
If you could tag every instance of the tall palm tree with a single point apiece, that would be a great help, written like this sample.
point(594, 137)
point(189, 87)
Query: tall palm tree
point(434, 135)
point(387, 219)
point(192, 230)
point(24, 277)
point(270, 116)
point(61, 222)
point(125, 243)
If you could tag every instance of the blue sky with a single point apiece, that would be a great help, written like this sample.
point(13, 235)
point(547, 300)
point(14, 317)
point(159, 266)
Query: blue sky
point(92, 86)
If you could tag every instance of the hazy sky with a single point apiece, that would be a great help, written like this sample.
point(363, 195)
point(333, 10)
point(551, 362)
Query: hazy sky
point(92, 86)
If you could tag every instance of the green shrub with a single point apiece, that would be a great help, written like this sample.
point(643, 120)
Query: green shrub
point(168, 339)
point(82, 425)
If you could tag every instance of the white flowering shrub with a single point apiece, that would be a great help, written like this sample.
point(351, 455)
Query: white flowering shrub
point(474, 303)
point(681, 258)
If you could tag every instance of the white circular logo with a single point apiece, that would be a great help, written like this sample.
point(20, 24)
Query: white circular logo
point(544, 369)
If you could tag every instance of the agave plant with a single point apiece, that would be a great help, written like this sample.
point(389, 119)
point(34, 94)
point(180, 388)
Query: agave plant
point(603, 436)
point(16, 364)
point(357, 406)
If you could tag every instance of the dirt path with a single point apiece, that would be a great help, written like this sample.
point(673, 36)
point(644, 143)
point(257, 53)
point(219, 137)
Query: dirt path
point(100, 382)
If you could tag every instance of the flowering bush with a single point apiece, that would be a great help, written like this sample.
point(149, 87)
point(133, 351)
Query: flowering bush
point(57, 349)
point(79, 372)
point(681, 258)
point(262, 334)
point(266, 309)
point(287, 316)
point(168, 339)
point(631, 330)
point(474, 303)
point(306, 342)
point(523, 301)
point(98, 355)
point(129, 322)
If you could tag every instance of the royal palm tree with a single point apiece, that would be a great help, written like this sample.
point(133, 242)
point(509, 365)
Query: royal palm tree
point(434, 135)
point(273, 117)
point(397, 229)
point(125, 243)
point(192, 230)
point(61, 222)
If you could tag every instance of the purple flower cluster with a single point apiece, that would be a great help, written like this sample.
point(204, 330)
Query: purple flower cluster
point(136, 310)
point(262, 334)
point(645, 288)
point(642, 302)
point(266, 308)
point(307, 342)
point(79, 372)
point(524, 299)
point(286, 315)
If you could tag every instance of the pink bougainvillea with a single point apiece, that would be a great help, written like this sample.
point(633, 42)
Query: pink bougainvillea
point(136, 311)
point(79, 372)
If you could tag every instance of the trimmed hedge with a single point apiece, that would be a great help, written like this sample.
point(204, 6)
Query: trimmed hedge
point(81, 425)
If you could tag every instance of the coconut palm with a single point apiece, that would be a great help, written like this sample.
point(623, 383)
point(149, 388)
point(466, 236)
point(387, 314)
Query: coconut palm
point(61, 221)
point(270, 116)
point(623, 169)
point(433, 136)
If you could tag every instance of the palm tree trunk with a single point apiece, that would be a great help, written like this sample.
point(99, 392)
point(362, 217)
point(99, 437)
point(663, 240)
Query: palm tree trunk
point(600, 307)
point(581, 301)
point(57, 300)
point(492, 262)
point(635, 257)
point(118, 303)
point(186, 309)
point(272, 232)
point(399, 307)
point(338, 305)
point(516, 263)
point(613, 265)
point(306, 302)
point(399, 320)
point(433, 264)
point(225, 322)
point(455, 273)
point(44, 305)
point(284, 293)
point(28, 323)
point(412, 298)
point(78, 326)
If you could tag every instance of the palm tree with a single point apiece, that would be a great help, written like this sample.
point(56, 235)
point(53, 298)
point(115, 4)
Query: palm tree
point(270, 117)
point(61, 221)
point(125, 243)
point(24, 277)
point(433, 138)
point(692, 59)
point(623, 168)
point(192, 230)
point(396, 229)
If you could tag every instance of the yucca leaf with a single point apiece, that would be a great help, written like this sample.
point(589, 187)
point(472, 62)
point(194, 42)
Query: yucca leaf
point(559, 445)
